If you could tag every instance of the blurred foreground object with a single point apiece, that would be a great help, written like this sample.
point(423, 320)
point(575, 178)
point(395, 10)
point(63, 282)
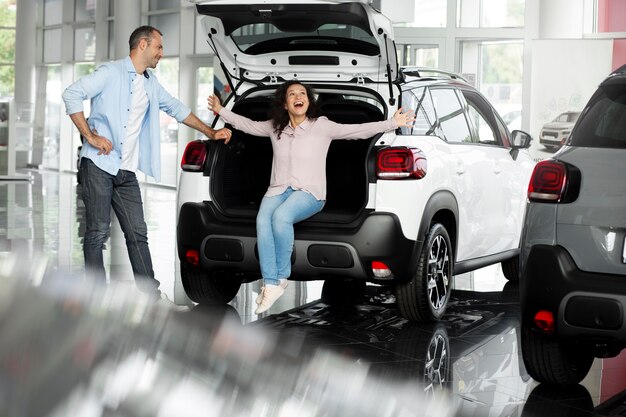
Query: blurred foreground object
point(72, 348)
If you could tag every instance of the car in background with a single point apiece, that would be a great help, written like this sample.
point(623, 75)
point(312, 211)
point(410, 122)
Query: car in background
point(573, 253)
point(556, 132)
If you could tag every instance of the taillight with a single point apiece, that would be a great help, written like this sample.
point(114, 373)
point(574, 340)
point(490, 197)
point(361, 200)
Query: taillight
point(399, 163)
point(544, 320)
point(548, 182)
point(194, 156)
point(193, 257)
point(380, 270)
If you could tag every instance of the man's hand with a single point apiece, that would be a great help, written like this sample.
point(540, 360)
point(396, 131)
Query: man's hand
point(223, 133)
point(103, 145)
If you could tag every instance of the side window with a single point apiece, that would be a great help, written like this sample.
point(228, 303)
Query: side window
point(450, 115)
point(418, 100)
point(482, 119)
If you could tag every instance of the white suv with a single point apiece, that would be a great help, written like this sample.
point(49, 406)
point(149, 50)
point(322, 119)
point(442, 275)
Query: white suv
point(408, 208)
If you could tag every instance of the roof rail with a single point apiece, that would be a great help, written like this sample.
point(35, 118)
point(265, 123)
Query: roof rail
point(430, 73)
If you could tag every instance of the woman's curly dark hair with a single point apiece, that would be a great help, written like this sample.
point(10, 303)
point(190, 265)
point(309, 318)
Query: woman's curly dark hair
point(278, 113)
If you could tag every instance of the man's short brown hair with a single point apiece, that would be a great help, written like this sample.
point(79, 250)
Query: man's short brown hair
point(142, 32)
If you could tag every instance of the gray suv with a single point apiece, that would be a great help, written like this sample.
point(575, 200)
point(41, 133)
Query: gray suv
point(573, 254)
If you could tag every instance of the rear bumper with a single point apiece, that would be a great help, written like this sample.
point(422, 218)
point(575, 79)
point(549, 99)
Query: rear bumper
point(587, 305)
point(320, 249)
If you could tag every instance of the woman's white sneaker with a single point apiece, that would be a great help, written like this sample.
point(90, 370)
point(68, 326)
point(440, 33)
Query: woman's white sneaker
point(269, 295)
point(283, 283)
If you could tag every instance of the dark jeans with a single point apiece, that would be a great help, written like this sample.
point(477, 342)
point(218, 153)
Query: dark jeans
point(101, 191)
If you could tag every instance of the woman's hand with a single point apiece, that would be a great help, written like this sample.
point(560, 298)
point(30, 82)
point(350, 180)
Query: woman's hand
point(214, 103)
point(404, 119)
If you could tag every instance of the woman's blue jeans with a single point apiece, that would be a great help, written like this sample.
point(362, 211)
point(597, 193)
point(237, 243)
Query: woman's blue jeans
point(274, 228)
point(101, 191)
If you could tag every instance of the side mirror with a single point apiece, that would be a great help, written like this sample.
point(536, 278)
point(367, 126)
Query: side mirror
point(520, 139)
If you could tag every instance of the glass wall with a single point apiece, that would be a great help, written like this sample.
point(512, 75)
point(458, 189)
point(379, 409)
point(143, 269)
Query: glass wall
point(53, 116)
point(7, 47)
point(490, 13)
point(418, 55)
point(204, 88)
point(167, 73)
point(484, 41)
point(429, 14)
point(80, 69)
point(496, 69)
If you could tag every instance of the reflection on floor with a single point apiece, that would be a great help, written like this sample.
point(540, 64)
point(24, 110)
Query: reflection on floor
point(473, 354)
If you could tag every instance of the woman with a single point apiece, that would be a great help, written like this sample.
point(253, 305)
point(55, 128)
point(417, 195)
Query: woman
point(297, 190)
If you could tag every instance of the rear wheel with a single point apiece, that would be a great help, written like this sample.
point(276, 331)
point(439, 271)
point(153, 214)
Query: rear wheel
point(510, 269)
point(215, 287)
point(551, 361)
point(424, 297)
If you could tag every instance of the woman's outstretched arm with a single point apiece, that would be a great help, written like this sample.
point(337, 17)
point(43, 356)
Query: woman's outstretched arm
point(237, 121)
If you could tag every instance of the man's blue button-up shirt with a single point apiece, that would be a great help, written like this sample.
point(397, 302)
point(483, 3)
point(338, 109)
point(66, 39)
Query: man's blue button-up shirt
point(109, 88)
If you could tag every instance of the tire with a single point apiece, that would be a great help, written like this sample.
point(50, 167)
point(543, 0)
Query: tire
point(215, 287)
point(424, 297)
point(339, 291)
point(550, 361)
point(510, 269)
point(554, 400)
point(433, 371)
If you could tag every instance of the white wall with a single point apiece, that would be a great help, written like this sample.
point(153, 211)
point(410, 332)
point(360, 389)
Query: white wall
point(565, 73)
point(561, 19)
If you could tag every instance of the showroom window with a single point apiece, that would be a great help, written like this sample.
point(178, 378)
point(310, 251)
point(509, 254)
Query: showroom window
point(204, 89)
point(429, 14)
point(51, 41)
point(418, 55)
point(7, 47)
point(490, 13)
point(85, 44)
point(164, 15)
point(84, 10)
point(495, 69)
point(54, 113)
point(169, 25)
point(52, 12)
point(167, 73)
point(81, 69)
point(164, 4)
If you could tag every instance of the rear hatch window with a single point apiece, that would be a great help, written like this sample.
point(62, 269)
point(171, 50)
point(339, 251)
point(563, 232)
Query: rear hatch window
point(266, 38)
point(603, 123)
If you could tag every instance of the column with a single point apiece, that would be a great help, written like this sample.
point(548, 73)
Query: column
point(25, 47)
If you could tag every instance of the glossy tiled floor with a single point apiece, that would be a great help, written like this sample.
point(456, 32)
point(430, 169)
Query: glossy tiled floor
point(473, 355)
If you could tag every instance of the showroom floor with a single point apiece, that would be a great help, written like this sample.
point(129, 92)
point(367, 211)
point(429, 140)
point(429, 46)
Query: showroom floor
point(472, 356)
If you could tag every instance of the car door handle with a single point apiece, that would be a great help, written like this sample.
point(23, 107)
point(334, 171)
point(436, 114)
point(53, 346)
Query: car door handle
point(497, 168)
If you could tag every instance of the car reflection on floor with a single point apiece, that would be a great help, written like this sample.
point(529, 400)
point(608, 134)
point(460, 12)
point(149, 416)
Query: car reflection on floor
point(67, 348)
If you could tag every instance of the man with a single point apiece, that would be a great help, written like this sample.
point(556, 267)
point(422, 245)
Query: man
point(121, 137)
